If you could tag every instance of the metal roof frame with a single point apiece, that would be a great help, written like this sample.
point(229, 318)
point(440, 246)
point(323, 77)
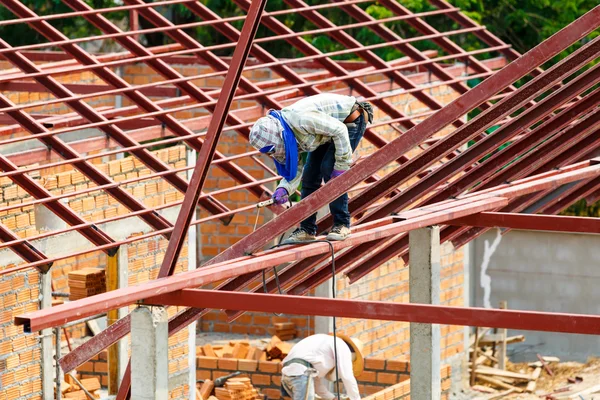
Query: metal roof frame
point(556, 138)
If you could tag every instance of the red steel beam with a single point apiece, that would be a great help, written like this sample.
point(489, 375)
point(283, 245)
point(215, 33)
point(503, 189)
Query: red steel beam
point(121, 328)
point(387, 311)
point(476, 126)
point(448, 233)
point(169, 73)
point(347, 40)
point(215, 128)
point(486, 173)
point(442, 118)
point(531, 222)
point(92, 305)
point(145, 103)
point(24, 249)
point(89, 113)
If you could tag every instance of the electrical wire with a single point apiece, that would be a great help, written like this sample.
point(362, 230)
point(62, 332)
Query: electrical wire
point(333, 286)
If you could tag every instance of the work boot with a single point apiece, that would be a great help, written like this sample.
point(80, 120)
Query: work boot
point(338, 232)
point(299, 236)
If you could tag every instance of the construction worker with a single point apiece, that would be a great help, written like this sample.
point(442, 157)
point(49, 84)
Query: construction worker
point(326, 126)
point(312, 361)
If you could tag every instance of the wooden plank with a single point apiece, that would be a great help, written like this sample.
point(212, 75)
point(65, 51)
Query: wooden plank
point(590, 390)
point(495, 338)
point(474, 357)
point(501, 395)
point(498, 383)
point(534, 377)
point(483, 370)
point(502, 345)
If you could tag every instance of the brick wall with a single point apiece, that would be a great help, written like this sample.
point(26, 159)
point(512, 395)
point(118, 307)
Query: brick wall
point(379, 374)
point(254, 324)
point(20, 366)
point(20, 356)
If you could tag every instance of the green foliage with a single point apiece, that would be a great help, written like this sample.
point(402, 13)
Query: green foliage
point(22, 34)
point(582, 209)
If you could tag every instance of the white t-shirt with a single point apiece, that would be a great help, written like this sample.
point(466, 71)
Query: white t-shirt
point(318, 350)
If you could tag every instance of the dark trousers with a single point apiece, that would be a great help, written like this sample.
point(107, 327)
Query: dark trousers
point(319, 165)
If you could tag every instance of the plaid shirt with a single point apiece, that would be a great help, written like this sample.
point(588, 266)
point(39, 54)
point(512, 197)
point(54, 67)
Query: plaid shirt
point(316, 120)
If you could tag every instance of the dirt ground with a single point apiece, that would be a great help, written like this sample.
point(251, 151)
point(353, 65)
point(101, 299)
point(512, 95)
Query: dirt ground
point(546, 384)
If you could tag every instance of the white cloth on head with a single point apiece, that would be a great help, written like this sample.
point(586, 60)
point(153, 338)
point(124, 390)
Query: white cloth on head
point(319, 351)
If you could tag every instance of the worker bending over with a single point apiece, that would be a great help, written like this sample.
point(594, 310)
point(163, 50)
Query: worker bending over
point(326, 126)
point(312, 360)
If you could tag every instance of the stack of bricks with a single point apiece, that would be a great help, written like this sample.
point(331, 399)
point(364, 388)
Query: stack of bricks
point(237, 389)
point(86, 282)
point(96, 367)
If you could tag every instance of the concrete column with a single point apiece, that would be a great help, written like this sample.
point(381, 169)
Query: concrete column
point(324, 324)
point(46, 341)
point(149, 353)
point(116, 278)
point(192, 265)
point(424, 281)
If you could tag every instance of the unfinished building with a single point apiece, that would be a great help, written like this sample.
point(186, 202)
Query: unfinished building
point(129, 192)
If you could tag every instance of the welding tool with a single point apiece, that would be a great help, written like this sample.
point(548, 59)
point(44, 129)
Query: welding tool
point(260, 205)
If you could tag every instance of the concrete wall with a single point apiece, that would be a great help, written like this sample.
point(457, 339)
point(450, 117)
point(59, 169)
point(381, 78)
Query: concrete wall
point(541, 271)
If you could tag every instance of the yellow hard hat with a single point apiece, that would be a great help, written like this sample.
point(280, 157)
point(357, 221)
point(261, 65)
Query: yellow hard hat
point(356, 346)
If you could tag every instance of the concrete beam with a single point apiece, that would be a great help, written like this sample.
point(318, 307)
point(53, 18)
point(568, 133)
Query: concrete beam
point(149, 353)
point(424, 288)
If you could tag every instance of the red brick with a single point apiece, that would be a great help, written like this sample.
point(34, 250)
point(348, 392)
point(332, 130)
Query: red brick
point(100, 367)
point(367, 376)
point(217, 373)
point(396, 365)
point(228, 363)
point(203, 374)
point(272, 393)
point(207, 362)
point(247, 365)
point(375, 363)
point(261, 380)
point(268, 366)
point(370, 389)
point(387, 378)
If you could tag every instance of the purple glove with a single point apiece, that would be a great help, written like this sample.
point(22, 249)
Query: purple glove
point(335, 173)
point(280, 195)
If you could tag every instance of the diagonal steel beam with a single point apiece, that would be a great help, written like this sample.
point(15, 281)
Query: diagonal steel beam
point(25, 250)
point(473, 128)
point(348, 41)
point(92, 115)
point(111, 78)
